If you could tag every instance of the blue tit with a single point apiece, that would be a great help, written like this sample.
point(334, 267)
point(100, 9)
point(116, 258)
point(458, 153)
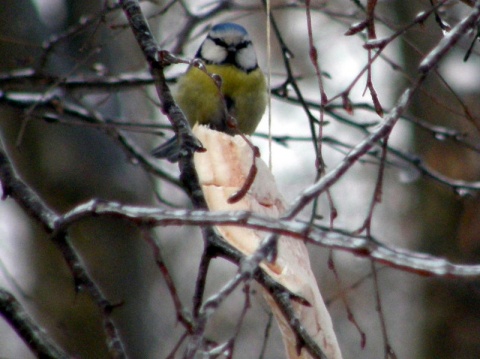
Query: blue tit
point(228, 52)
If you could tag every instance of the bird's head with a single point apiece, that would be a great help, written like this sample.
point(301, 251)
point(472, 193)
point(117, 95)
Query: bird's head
point(228, 44)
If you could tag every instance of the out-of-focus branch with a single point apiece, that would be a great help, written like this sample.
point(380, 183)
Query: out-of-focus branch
point(34, 337)
point(358, 151)
point(55, 111)
point(86, 22)
point(29, 201)
point(428, 64)
point(447, 43)
point(29, 79)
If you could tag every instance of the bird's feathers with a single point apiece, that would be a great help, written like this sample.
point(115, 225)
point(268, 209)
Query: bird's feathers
point(201, 100)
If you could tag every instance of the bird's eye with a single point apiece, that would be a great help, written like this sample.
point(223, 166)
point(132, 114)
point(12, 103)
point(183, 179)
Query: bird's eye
point(242, 45)
point(219, 42)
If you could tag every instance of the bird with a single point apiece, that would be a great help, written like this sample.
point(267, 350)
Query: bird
point(228, 52)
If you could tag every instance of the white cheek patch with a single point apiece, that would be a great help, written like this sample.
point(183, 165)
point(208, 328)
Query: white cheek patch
point(211, 52)
point(246, 58)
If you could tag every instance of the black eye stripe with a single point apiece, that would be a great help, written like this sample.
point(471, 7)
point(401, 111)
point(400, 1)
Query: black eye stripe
point(243, 45)
point(220, 42)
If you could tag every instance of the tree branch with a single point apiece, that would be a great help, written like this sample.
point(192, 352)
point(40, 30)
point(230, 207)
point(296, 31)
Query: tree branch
point(29, 201)
point(34, 337)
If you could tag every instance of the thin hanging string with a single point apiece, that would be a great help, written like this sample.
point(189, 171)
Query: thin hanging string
point(269, 76)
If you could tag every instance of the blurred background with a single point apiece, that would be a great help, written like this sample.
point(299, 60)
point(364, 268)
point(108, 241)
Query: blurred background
point(56, 56)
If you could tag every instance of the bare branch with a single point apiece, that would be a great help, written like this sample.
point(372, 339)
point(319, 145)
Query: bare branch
point(13, 187)
point(34, 337)
point(361, 246)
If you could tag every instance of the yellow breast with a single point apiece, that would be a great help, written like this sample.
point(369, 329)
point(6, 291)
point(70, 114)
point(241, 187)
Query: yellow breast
point(199, 98)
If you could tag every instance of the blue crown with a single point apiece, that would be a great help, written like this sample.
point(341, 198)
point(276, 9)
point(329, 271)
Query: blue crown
point(229, 26)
